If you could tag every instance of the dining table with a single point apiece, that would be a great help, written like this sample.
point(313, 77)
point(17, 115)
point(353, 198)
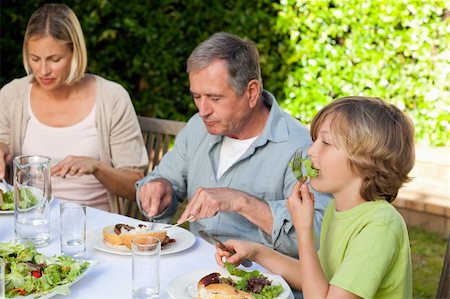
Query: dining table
point(110, 277)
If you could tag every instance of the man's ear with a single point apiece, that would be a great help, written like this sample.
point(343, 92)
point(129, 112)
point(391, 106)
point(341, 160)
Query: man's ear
point(253, 92)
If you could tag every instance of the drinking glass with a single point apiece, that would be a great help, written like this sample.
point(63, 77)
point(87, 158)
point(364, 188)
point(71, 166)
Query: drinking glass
point(73, 229)
point(32, 194)
point(146, 252)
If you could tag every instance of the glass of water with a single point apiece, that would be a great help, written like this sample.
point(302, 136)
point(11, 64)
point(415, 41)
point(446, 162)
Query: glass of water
point(32, 194)
point(146, 252)
point(73, 229)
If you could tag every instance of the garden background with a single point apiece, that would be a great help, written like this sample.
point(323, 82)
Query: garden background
point(311, 53)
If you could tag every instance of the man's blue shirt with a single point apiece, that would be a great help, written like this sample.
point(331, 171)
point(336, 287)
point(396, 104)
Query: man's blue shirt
point(262, 171)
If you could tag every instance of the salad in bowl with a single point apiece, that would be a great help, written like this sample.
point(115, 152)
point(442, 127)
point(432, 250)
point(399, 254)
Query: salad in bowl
point(28, 272)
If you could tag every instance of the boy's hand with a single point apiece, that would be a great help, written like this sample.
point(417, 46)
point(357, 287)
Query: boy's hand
point(244, 250)
point(301, 206)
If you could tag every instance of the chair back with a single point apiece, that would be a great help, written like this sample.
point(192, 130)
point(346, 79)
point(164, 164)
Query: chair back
point(159, 135)
point(444, 283)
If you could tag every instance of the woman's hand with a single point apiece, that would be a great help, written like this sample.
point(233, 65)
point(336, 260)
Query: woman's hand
point(301, 206)
point(5, 158)
point(244, 250)
point(74, 165)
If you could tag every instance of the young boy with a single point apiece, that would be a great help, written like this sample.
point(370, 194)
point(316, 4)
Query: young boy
point(363, 150)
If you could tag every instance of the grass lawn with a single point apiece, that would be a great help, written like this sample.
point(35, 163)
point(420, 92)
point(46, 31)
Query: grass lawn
point(427, 250)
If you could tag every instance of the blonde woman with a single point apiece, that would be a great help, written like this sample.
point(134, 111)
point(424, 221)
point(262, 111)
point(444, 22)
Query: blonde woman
point(86, 124)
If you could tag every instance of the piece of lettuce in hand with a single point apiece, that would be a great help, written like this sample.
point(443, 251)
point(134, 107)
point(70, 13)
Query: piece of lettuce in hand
point(302, 168)
point(311, 172)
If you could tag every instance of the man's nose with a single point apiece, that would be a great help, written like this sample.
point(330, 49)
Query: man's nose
point(204, 108)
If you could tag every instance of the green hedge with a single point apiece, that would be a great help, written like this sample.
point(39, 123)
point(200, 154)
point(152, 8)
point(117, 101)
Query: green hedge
point(396, 50)
point(144, 44)
point(311, 51)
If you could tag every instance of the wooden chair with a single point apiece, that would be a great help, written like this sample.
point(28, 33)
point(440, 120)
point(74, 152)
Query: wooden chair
point(444, 283)
point(159, 135)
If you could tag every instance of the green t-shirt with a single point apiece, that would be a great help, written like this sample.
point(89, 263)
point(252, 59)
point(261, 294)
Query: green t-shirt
point(365, 250)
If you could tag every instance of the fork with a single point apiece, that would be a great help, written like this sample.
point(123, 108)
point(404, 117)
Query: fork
point(8, 189)
point(178, 224)
point(297, 166)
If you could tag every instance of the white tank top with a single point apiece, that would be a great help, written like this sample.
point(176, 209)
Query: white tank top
point(57, 143)
point(231, 150)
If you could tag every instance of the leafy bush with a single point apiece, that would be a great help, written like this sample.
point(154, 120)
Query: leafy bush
point(144, 44)
point(396, 50)
point(311, 51)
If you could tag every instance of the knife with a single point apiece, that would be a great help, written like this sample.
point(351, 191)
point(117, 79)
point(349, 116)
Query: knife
point(216, 242)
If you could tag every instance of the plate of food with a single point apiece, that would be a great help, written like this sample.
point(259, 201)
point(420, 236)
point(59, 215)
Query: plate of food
point(30, 199)
point(230, 282)
point(27, 269)
point(116, 238)
point(6, 200)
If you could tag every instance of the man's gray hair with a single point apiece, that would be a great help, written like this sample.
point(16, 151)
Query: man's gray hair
point(240, 55)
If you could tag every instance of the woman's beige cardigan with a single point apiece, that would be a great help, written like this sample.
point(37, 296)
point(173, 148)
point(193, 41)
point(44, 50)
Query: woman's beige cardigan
point(119, 134)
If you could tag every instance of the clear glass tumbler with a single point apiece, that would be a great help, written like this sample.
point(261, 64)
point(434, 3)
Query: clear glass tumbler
point(73, 229)
point(32, 194)
point(146, 253)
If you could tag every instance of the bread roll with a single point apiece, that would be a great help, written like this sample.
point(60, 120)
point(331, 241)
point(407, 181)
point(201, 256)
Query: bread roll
point(129, 236)
point(125, 236)
point(110, 236)
point(215, 290)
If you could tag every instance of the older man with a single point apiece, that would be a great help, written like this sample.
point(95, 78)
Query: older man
point(232, 159)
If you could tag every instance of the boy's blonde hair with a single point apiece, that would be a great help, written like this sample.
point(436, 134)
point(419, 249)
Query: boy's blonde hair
point(61, 23)
point(379, 139)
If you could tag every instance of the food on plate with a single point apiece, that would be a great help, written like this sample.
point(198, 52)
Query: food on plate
point(123, 234)
point(28, 199)
point(251, 284)
point(214, 286)
point(28, 272)
point(6, 200)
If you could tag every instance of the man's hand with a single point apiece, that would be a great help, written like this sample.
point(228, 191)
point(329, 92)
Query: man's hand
point(73, 165)
point(155, 196)
point(207, 202)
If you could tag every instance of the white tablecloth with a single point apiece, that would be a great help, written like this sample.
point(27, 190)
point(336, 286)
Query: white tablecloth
point(111, 277)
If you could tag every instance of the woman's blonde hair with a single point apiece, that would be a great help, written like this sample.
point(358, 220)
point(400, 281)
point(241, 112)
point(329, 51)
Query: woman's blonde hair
point(379, 140)
point(61, 23)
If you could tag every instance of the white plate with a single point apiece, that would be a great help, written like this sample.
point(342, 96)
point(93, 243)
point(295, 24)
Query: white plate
point(183, 240)
point(185, 286)
point(51, 294)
